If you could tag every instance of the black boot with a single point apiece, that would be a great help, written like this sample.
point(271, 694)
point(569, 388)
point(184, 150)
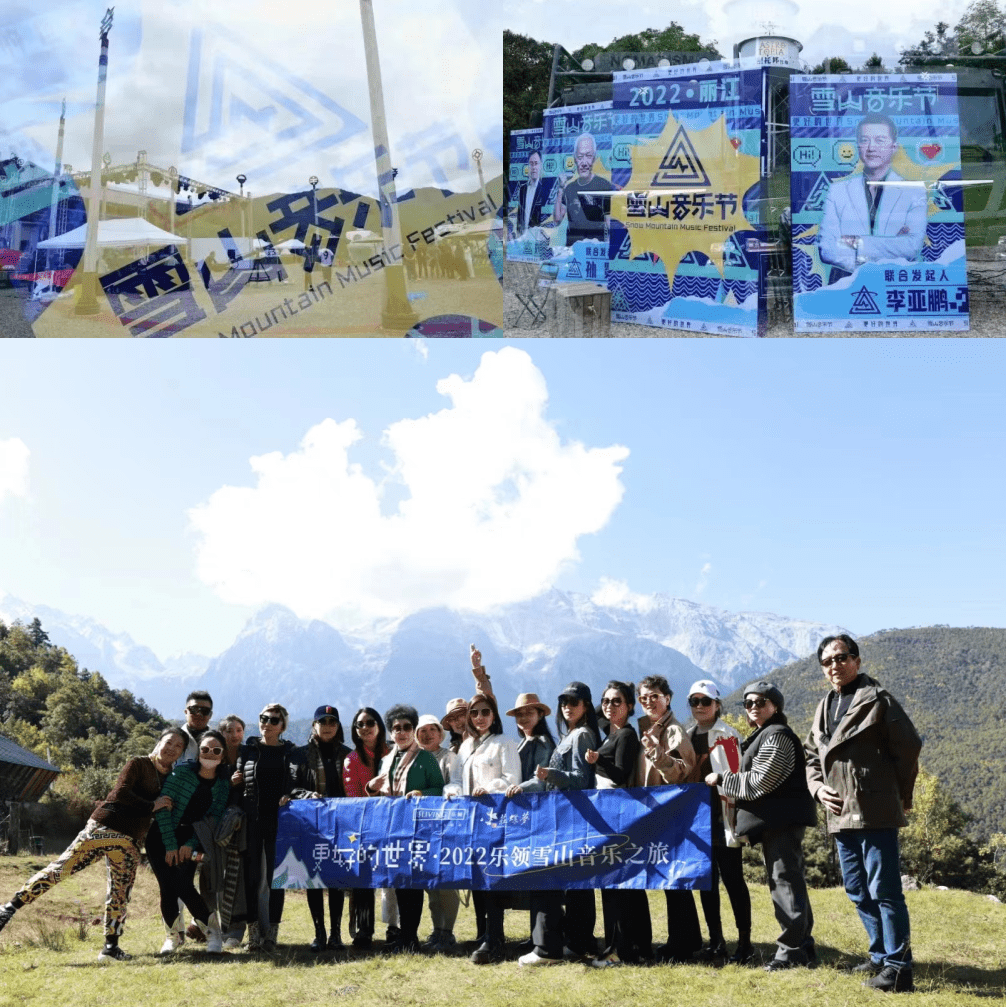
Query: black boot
point(335, 912)
point(7, 913)
point(318, 944)
point(745, 953)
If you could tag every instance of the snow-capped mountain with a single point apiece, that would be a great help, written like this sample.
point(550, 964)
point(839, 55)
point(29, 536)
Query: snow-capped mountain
point(538, 645)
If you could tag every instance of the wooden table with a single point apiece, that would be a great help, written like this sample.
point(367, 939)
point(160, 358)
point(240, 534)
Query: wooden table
point(585, 308)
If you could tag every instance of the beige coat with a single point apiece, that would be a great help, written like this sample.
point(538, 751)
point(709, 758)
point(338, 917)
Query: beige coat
point(665, 755)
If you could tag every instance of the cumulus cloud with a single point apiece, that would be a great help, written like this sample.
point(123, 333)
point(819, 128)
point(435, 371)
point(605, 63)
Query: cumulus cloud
point(616, 594)
point(13, 468)
point(704, 574)
point(421, 348)
point(493, 502)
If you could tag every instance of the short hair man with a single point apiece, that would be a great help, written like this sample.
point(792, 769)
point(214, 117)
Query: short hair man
point(862, 760)
point(576, 197)
point(531, 196)
point(198, 710)
point(876, 215)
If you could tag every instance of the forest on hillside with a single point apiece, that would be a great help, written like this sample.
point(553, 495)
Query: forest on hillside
point(69, 716)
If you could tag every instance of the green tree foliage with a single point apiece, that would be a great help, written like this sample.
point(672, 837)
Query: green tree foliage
point(982, 28)
point(69, 715)
point(875, 64)
point(933, 46)
point(527, 66)
point(832, 64)
point(672, 39)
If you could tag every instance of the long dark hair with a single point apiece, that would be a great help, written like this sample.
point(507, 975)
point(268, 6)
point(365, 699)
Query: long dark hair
point(380, 745)
point(542, 729)
point(589, 720)
point(496, 727)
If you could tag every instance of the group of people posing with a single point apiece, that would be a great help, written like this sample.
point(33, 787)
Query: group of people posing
point(213, 797)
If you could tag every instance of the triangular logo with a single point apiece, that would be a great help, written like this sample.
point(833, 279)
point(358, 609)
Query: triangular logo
point(681, 165)
point(818, 194)
point(231, 85)
point(574, 272)
point(865, 302)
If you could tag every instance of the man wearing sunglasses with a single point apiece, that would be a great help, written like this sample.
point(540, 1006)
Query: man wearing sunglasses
point(198, 710)
point(862, 760)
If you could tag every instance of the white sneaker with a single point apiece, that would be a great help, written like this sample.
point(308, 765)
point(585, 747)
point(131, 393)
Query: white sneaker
point(214, 938)
point(115, 954)
point(172, 942)
point(231, 943)
point(533, 958)
point(606, 962)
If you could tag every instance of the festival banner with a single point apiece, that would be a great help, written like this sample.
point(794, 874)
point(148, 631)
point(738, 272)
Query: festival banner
point(879, 257)
point(578, 164)
point(687, 233)
point(531, 196)
point(648, 837)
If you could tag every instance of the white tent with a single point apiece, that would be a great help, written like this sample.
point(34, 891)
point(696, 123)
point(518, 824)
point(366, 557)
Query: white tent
point(118, 233)
point(290, 245)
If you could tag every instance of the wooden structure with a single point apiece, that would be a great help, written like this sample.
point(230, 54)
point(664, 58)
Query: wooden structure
point(23, 777)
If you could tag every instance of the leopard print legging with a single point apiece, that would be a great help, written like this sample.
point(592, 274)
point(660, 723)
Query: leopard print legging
point(122, 857)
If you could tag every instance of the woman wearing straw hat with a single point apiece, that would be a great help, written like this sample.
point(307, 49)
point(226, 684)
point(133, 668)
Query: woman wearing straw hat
point(444, 902)
point(534, 749)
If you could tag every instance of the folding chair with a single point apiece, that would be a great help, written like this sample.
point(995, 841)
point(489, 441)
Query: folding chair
point(534, 297)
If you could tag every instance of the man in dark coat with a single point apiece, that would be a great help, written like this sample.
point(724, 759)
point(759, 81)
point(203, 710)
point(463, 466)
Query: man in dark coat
point(862, 760)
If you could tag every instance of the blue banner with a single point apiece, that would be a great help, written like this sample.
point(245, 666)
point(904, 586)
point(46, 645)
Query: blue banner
point(878, 211)
point(647, 837)
point(686, 235)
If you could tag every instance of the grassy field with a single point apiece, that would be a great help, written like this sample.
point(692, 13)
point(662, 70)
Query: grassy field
point(48, 956)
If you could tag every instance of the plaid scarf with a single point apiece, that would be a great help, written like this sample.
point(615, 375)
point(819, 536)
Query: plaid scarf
point(396, 787)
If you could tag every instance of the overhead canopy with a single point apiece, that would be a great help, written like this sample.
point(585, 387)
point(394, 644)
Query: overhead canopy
point(118, 233)
point(23, 775)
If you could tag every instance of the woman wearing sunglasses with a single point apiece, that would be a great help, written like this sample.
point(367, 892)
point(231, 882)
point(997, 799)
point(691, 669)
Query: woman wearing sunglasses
point(568, 769)
point(717, 748)
point(198, 791)
point(267, 774)
point(324, 758)
point(490, 765)
point(628, 935)
point(359, 769)
point(666, 756)
point(407, 771)
point(774, 807)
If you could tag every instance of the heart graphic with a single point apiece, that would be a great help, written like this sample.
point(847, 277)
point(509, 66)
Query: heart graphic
point(735, 142)
point(930, 149)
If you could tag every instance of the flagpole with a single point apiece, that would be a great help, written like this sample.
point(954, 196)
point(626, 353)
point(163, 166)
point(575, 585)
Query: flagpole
point(57, 171)
point(397, 313)
point(87, 303)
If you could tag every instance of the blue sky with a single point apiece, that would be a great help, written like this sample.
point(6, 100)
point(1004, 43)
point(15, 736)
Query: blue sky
point(847, 481)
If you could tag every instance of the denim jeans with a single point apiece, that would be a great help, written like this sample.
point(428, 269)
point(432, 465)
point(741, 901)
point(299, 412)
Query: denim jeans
point(871, 869)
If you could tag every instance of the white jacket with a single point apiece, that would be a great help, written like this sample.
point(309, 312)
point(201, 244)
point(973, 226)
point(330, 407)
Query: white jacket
point(450, 765)
point(494, 765)
point(722, 740)
point(899, 230)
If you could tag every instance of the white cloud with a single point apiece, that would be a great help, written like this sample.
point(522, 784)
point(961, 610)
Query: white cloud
point(13, 468)
point(494, 502)
point(616, 594)
point(421, 348)
point(703, 582)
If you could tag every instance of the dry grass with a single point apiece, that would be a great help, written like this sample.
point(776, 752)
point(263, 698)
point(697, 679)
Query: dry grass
point(958, 948)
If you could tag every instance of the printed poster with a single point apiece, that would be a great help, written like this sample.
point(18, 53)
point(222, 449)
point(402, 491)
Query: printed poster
point(686, 234)
point(578, 163)
point(530, 197)
point(878, 216)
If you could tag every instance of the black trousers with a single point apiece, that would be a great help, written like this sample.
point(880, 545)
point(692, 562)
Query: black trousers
point(553, 928)
point(727, 864)
point(363, 911)
point(262, 840)
point(684, 937)
point(316, 903)
point(410, 911)
point(627, 926)
point(175, 883)
point(489, 915)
